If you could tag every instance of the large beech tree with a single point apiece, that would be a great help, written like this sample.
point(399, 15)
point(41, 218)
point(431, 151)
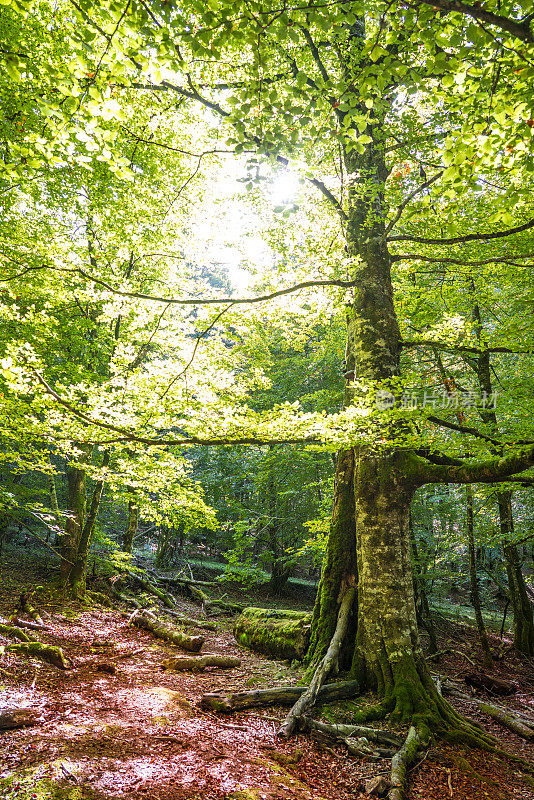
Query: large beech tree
point(414, 122)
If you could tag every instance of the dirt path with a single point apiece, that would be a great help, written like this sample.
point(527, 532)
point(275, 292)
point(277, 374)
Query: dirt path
point(138, 733)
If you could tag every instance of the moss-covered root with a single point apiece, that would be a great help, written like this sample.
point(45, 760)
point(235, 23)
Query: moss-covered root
point(15, 633)
point(327, 665)
point(44, 652)
point(403, 758)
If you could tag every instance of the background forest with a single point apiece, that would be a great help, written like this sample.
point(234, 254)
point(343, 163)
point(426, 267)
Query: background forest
point(120, 188)
point(258, 263)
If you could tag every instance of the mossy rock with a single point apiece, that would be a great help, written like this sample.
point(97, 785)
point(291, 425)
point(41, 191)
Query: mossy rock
point(274, 632)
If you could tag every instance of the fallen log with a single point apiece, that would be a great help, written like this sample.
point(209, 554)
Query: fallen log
point(167, 599)
point(199, 664)
point(281, 695)
point(14, 632)
point(18, 717)
point(190, 621)
point(26, 623)
point(44, 652)
point(489, 683)
point(276, 633)
point(509, 720)
point(191, 643)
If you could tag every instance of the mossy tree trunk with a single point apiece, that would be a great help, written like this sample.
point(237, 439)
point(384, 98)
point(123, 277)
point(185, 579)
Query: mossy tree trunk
point(131, 529)
point(521, 604)
point(78, 573)
point(475, 594)
point(76, 500)
point(369, 542)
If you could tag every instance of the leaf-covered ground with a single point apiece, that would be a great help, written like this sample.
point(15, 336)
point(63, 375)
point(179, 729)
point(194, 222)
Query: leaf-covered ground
point(139, 733)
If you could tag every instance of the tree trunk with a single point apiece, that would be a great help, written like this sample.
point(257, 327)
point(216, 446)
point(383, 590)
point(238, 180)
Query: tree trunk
point(521, 603)
point(70, 539)
point(131, 530)
point(475, 596)
point(78, 574)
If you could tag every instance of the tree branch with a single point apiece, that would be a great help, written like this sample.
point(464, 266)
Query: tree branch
point(470, 237)
point(461, 348)
point(162, 441)
point(518, 28)
point(410, 197)
point(459, 262)
point(493, 470)
point(212, 301)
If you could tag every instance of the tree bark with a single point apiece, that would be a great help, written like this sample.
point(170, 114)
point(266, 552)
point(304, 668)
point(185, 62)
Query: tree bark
point(76, 501)
point(475, 595)
point(78, 574)
point(521, 603)
point(131, 530)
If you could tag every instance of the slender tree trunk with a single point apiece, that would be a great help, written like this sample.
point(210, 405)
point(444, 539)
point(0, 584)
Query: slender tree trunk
point(76, 488)
point(420, 586)
point(521, 603)
point(78, 574)
point(475, 595)
point(131, 530)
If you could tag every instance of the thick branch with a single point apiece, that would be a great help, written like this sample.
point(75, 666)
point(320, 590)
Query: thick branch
point(518, 28)
point(461, 348)
point(490, 470)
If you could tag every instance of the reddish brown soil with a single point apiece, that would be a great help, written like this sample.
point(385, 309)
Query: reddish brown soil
point(139, 733)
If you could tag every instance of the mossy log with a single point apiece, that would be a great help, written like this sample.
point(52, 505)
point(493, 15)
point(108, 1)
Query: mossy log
point(199, 664)
point(15, 633)
point(276, 633)
point(44, 652)
point(281, 695)
point(18, 717)
point(191, 643)
point(191, 622)
point(507, 718)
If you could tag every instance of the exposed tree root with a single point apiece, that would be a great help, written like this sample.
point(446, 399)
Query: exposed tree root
point(327, 664)
point(402, 760)
point(359, 740)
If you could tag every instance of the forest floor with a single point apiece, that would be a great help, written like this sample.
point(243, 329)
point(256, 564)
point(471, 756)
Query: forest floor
point(140, 734)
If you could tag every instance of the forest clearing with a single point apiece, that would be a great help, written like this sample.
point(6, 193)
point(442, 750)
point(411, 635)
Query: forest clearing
point(266, 392)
